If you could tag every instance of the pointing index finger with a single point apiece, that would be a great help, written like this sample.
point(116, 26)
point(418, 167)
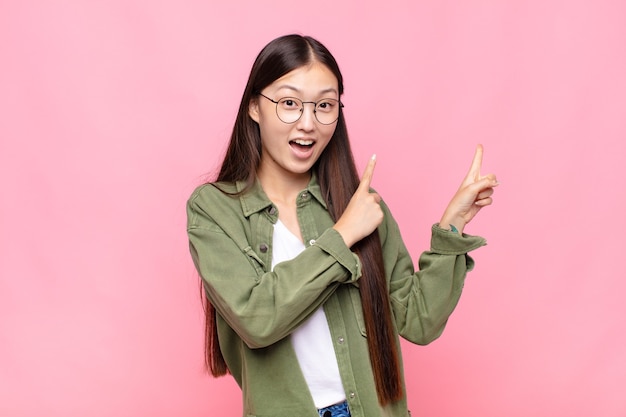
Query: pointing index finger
point(477, 162)
point(366, 179)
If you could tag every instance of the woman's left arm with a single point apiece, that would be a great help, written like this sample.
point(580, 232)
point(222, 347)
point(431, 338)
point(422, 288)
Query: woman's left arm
point(423, 300)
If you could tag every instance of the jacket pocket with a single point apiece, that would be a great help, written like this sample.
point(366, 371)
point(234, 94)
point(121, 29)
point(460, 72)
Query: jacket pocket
point(355, 297)
point(255, 260)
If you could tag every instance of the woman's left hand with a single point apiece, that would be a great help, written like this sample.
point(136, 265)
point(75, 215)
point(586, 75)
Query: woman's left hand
point(474, 193)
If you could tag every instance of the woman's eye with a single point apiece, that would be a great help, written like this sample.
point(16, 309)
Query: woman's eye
point(289, 103)
point(325, 106)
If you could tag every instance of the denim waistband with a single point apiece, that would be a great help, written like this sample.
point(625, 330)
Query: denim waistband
point(335, 410)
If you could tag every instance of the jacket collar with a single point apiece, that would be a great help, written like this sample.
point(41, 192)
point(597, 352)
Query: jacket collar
point(255, 199)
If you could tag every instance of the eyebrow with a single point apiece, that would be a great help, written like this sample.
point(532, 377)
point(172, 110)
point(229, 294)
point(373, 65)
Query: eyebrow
point(297, 90)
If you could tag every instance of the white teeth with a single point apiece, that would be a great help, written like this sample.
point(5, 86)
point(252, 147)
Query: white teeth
point(303, 142)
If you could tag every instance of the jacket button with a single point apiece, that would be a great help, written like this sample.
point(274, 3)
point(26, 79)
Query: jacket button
point(263, 248)
point(271, 210)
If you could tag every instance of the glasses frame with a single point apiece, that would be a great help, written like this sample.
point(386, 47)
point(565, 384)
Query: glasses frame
point(314, 103)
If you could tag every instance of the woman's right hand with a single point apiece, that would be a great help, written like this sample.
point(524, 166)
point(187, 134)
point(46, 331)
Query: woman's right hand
point(363, 213)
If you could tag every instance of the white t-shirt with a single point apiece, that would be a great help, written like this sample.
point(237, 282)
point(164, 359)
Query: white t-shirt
point(312, 340)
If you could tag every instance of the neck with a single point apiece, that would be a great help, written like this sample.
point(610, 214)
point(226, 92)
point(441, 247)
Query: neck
point(283, 188)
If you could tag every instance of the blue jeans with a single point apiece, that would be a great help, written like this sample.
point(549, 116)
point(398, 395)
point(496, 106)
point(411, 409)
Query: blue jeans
point(336, 410)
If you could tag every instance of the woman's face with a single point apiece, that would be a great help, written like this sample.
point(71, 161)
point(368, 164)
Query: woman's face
point(292, 149)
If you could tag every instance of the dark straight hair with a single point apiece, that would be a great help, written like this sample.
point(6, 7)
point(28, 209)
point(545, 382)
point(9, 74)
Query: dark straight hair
point(338, 179)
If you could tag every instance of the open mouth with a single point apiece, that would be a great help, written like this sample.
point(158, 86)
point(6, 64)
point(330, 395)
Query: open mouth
point(302, 144)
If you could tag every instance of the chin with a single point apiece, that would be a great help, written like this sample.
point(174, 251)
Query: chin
point(300, 168)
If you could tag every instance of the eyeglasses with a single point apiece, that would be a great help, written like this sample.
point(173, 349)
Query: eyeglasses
point(290, 109)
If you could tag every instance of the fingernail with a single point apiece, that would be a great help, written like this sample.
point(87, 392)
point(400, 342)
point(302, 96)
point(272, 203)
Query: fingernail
point(374, 157)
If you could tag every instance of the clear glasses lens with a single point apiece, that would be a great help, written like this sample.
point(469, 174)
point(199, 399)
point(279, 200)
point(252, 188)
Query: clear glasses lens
point(289, 110)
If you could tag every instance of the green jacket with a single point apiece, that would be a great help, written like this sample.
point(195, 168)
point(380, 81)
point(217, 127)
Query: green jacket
point(231, 246)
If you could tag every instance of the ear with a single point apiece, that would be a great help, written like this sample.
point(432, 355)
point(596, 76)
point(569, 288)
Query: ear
point(253, 109)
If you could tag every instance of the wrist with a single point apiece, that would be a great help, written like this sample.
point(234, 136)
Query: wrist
point(349, 241)
point(454, 225)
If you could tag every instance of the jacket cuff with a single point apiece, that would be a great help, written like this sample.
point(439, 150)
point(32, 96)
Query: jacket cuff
point(332, 243)
point(447, 242)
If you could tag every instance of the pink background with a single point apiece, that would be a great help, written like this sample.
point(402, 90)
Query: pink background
point(111, 112)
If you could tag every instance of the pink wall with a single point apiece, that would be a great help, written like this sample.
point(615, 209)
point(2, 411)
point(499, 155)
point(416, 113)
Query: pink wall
point(112, 111)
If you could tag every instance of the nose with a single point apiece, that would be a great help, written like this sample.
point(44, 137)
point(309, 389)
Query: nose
point(307, 119)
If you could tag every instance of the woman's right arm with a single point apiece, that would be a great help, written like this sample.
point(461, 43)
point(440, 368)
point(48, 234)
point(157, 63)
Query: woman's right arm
point(262, 306)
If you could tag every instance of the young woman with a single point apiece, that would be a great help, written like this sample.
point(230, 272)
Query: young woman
point(307, 281)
